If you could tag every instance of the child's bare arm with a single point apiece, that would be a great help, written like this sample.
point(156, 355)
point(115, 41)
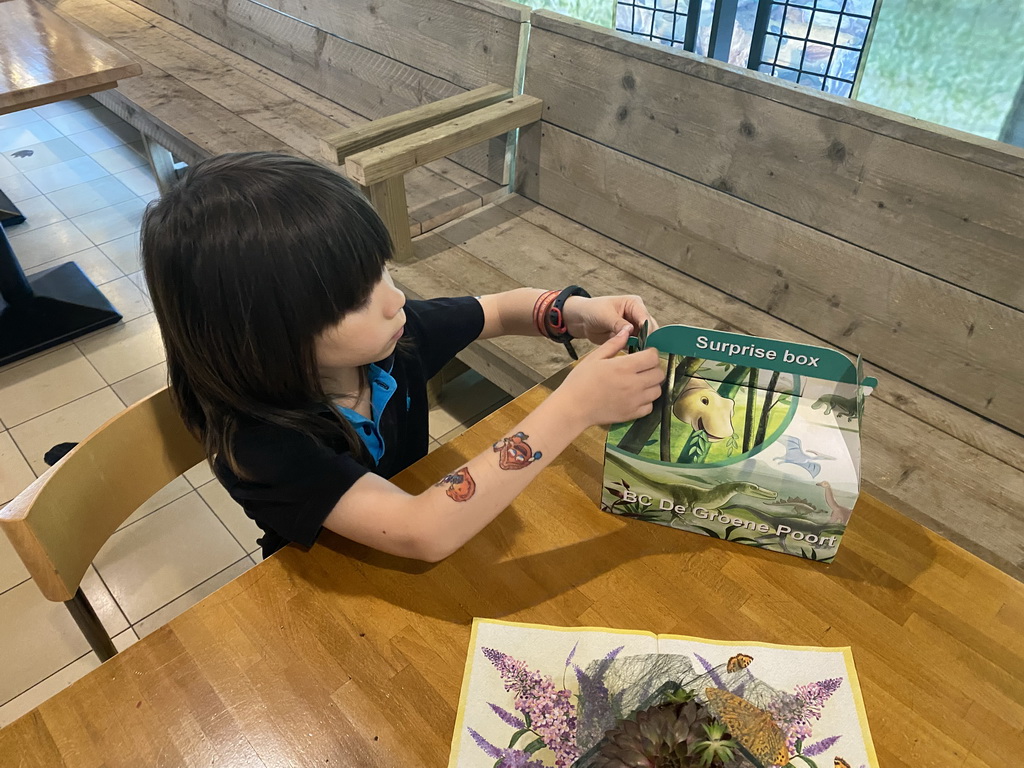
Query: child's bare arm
point(602, 389)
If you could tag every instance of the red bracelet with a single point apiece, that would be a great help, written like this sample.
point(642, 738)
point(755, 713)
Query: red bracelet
point(540, 311)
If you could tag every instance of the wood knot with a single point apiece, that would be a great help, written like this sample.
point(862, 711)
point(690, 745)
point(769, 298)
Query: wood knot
point(622, 114)
point(629, 82)
point(722, 185)
point(836, 152)
point(747, 129)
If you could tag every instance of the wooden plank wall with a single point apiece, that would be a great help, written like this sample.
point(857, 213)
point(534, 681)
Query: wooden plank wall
point(864, 228)
point(375, 58)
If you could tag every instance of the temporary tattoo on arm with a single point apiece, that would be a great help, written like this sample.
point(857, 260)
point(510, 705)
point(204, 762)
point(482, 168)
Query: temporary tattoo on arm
point(461, 485)
point(514, 452)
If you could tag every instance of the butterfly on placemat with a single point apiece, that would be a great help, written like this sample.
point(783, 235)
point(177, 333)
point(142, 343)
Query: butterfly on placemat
point(738, 662)
point(754, 728)
point(840, 763)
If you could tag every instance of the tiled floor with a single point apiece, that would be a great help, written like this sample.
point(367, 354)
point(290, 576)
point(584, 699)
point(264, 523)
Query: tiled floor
point(77, 173)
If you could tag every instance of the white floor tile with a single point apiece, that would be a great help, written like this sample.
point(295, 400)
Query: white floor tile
point(173, 491)
point(43, 640)
point(124, 252)
point(39, 212)
point(18, 188)
point(159, 618)
point(6, 167)
point(112, 222)
point(126, 298)
point(22, 136)
point(139, 278)
point(65, 174)
point(92, 261)
point(232, 515)
point(70, 423)
point(123, 157)
point(12, 570)
point(58, 681)
point(105, 137)
point(47, 243)
point(142, 384)
point(139, 180)
point(83, 120)
point(65, 107)
point(158, 559)
point(124, 349)
point(200, 475)
point(44, 383)
point(41, 155)
point(90, 196)
point(16, 119)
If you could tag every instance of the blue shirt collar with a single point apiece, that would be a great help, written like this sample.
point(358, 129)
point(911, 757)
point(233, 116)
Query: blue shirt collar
point(382, 387)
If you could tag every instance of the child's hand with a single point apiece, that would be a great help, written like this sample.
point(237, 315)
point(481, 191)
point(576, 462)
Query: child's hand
point(607, 388)
point(600, 318)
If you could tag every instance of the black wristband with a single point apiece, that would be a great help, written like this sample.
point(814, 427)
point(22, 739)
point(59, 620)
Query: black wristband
point(554, 320)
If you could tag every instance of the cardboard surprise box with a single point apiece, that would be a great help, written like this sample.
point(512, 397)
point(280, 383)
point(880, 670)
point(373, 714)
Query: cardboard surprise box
point(753, 440)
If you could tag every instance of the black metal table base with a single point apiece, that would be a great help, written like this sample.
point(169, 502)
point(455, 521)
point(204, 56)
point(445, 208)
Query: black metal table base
point(47, 309)
point(9, 213)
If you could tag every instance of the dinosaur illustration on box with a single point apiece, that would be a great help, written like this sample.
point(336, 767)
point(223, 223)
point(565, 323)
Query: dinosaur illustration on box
point(744, 428)
point(840, 514)
point(690, 497)
point(700, 406)
point(795, 454)
point(843, 406)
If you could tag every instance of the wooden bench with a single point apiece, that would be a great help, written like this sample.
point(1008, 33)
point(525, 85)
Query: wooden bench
point(732, 200)
point(241, 75)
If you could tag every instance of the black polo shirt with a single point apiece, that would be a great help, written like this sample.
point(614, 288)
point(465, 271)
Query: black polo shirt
point(297, 481)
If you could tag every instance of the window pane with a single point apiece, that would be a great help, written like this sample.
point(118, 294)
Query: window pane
point(816, 58)
point(812, 80)
point(797, 22)
point(838, 87)
point(823, 27)
point(844, 63)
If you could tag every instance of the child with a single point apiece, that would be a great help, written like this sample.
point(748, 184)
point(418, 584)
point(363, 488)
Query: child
point(303, 369)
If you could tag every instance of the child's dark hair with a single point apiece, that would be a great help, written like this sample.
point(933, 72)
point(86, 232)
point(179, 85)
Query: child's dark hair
point(247, 258)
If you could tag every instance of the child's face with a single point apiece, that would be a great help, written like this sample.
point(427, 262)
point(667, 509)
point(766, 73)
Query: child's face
point(367, 334)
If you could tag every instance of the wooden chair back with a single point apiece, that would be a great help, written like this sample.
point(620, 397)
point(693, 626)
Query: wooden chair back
point(59, 523)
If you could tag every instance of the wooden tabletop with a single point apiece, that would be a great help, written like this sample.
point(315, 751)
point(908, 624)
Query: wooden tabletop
point(45, 58)
point(342, 656)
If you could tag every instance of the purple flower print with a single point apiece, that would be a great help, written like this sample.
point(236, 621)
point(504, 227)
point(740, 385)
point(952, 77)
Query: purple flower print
point(507, 717)
point(815, 695)
point(796, 713)
point(509, 758)
point(820, 746)
point(711, 671)
point(550, 712)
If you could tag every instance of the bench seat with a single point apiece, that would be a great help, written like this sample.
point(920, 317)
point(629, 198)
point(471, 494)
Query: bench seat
point(197, 99)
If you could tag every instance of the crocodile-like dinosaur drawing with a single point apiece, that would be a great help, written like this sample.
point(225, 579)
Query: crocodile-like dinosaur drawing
point(843, 406)
point(700, 406)
point(690, 497)
point(840, 514)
